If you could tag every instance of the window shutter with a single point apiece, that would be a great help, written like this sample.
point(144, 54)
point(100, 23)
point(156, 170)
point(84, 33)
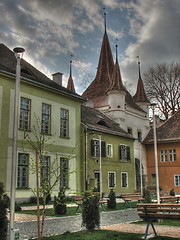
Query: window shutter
point(92, 147)
point(103, 149)
point(120, 152)
point(128, 153)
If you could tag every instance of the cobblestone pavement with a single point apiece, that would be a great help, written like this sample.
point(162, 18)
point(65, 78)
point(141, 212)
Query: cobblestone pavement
point(60, 225)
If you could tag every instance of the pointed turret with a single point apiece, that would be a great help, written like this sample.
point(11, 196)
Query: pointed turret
point(70, 84)
point(102, 80)
point(116, 92)
point(116, 80)
point(140, 95)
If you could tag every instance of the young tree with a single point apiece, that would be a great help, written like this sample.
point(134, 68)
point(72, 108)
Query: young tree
point(162, 84)
point(47, 175)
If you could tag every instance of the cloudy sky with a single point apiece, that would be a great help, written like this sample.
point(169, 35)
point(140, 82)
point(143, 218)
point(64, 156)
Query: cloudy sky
point(53, 30)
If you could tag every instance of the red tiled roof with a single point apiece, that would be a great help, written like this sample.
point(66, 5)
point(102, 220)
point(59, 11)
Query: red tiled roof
point(116, 82)
point(168, 131)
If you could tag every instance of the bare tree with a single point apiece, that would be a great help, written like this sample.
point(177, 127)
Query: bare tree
point(162, 84)
point(47, 177)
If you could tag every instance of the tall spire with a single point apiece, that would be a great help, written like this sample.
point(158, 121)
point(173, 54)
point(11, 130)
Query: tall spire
point(116, 52)
point(104, 72)
point(70, 84)
point(140, 95)
point(104, 20)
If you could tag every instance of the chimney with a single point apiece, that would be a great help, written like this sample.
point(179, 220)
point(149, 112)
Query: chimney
point(57, 77)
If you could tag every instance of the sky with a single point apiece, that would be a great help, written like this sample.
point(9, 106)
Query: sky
point(53, 32)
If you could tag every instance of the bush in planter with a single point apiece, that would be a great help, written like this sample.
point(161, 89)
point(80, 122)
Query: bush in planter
point(60, 203)
point(90, 211)
point(4, 204)
point(111, 202)
point(147, 195)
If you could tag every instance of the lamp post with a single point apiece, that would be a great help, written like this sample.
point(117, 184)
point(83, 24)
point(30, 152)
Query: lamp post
point(155, 153)
point(100, 165)
point(18, 54)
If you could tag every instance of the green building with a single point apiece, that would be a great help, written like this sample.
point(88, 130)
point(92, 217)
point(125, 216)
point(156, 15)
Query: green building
point(111, 166)
point(46, 109)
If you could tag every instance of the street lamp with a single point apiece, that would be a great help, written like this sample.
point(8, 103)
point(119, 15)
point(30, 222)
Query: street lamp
point(100, 165)
point(18, 54)
point(155, 153)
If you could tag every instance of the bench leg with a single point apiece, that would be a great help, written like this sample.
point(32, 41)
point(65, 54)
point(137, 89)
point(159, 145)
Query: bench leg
point(147, 228)
point(79, 205)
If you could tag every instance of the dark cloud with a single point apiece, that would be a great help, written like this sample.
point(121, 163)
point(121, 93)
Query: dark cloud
point(52, 30)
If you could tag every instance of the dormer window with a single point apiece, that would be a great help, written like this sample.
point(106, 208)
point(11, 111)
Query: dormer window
point(102, 123)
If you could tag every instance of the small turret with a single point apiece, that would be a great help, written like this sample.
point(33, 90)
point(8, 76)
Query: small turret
point(140, 96)
point(70, 84)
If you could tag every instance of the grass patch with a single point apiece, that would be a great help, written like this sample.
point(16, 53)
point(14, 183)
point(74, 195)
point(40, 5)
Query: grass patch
point(101, 235)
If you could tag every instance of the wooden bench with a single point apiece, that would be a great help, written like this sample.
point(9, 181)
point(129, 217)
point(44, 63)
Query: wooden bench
point(79, 201)
point(169, 199)
point(130, 197)
point(152, 212)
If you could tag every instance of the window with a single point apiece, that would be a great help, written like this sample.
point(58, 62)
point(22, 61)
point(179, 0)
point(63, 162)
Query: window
point(124, 153)
point(45, 170)
point(46, 119)
point(124, 179)
point(129, 130)
point(64, 123)
point(64, 169)
point(109, 150)
point(23, 170)
point(163, 155)
point(24, 120)
point(139, 135)
point(177, 180)
point(95, 149)
point(111, 179)
point(172, 155)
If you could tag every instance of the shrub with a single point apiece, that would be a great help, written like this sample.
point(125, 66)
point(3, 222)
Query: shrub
point(147, 195)
point(111, 202)
point(90, 211)
point(17, 207)
point(4, 203)
point(60, 203)
point(172, 193)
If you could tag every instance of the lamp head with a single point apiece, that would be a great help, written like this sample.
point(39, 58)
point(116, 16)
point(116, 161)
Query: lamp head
point(18, 51)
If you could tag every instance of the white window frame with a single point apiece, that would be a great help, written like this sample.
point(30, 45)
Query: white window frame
point(172, 155)
point(124, 153)
point(46, 118)
point(23, 170)
point(111, 172)
point(64, 172)
point(25, 112)
point(64, 123)
point(109, 150)
point(177, 180)
point(126, 180)
point(163, 155)
point(45, 166)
